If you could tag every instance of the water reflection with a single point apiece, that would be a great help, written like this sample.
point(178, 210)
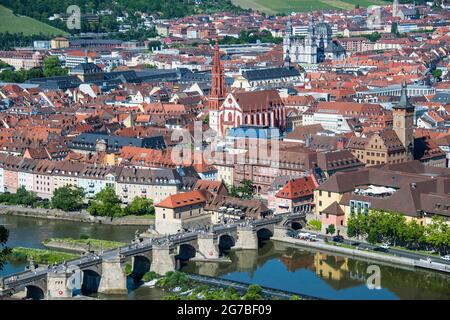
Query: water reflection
point(323, 274)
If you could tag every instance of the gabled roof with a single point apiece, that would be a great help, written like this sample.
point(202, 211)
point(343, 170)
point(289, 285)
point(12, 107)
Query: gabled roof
point(297, 188)
point(334, 209)
point(184, 199)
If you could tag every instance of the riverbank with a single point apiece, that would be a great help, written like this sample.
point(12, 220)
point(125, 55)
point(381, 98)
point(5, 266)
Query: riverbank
point(39, 256)
point(77, 216)
point(81, 245)
point(383, 257)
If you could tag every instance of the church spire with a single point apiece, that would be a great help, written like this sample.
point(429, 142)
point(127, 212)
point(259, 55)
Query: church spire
point(217, 95)
point(404, 102)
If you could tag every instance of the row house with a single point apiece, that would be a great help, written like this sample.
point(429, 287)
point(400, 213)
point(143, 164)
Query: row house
point(43, 177)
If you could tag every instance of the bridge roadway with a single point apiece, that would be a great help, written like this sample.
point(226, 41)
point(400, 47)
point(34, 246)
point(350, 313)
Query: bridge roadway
point(19, 280)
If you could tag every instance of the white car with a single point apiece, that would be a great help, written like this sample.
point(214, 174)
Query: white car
point(446, 257)
point(385, 246)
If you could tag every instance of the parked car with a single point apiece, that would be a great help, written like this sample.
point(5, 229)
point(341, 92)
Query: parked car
point(338, 238)
point(385, 246)
point(446, 257)
point(355, 243)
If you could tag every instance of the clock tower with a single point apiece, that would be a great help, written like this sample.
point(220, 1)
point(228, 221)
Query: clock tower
point(403, 114)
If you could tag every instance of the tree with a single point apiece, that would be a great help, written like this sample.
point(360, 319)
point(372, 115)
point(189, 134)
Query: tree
point(5, 251)
point(140, 206)
point(68, 198)
point(52, 67)
point(331, 229)
point(437, 234)
point(106, 203)
point(253, 293)
point(437, 74)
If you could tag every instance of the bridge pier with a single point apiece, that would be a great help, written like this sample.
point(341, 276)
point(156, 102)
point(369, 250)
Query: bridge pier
point(208, 246)
point(280, 231)
point(246, 238)
point(57, 285)
point(163, 260)
point(114, 279)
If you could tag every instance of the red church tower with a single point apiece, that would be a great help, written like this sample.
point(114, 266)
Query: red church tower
point(218, 93)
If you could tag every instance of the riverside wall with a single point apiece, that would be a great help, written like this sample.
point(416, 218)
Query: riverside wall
point(78, 216)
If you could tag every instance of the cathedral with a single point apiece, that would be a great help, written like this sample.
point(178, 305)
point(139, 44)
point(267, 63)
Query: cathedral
point(317, 45)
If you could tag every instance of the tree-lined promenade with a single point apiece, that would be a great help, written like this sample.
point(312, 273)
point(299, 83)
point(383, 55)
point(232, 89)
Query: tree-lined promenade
point(71, 198)
point(393, 228)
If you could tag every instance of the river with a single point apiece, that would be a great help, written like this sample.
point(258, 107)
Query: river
point(276, 265)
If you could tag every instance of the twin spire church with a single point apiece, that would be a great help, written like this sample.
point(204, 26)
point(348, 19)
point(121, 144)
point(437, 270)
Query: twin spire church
point(316, 46)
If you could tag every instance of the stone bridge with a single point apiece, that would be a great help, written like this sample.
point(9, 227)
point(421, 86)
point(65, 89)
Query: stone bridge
point(106, 273)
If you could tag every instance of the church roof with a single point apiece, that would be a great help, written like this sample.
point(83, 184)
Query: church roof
point(255, 100)
point(270, 73)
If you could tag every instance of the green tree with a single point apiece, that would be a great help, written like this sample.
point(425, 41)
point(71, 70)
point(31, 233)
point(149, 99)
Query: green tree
point(254, 292)
point(437, 73)
point(68, 198)
point(106, 203)
point(331, 229)
point(437, 234)
point(5, 251)
point(52, 67)
point(140, 206)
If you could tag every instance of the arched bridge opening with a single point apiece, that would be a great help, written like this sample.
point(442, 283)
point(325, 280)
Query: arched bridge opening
point(34, 293)
point(91, 282)
point(185, 252)
point(226, 242)
point(141, 265)
point(264, 236)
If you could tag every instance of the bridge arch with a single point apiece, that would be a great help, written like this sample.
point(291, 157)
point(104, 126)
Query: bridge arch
point(91, 281)
point(186, 251)
point(226, 241)
point(34, 292)
point(264, 234)
point(140, 266)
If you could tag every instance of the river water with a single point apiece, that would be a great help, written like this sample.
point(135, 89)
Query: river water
point(275, 265)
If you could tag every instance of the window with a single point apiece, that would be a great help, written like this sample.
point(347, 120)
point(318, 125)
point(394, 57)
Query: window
point(164, 215)
point(329, 194)
point(320, 203)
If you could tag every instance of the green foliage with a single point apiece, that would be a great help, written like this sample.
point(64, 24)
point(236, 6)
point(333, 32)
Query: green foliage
point(392, 227)
point(128, 269)
point(20, 76)
point(149, 276)
point(437, 73)
point(315, 225)
point(96, 244)
point(68, 198)
point(243, 191)
point(373, 37)
point(20, 254)
point(52, 67)
point(21, 197)
point(250, 36)
point(173, 279)
point(206, 119)
point(42, 9)
point(140, 206)
point(331, 229)
point(254, 292)
point(5, 251)
point(106, 203)
point(295, 297)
